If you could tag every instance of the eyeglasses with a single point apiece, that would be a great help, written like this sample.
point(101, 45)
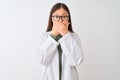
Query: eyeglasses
point(64, 18)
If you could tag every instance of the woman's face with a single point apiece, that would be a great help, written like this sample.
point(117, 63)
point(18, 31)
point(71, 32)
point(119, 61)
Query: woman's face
point(60, 15)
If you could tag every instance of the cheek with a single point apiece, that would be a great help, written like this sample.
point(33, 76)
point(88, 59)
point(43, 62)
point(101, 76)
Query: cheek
point(54, 22)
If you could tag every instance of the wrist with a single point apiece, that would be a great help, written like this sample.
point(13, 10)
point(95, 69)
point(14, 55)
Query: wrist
point(54, 33)
point(64, 33)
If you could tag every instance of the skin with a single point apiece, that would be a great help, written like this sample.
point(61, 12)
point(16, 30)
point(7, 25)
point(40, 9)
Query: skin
point(60, 26)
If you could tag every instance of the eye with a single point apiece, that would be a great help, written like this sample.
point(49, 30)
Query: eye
point(63, 16)
point(56, 16)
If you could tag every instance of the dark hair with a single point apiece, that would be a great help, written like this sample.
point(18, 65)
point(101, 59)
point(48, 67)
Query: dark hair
point(54, 8)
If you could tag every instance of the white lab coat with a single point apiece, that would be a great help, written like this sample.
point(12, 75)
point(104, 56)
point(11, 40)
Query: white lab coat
point(71, 56)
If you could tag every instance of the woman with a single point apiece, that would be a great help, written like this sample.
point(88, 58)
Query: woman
point(60, 50)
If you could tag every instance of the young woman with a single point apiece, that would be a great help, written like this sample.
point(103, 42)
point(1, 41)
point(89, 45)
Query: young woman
point(60, 51)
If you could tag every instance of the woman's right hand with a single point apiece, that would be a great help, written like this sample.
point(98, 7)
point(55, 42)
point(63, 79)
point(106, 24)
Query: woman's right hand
point(54, 31)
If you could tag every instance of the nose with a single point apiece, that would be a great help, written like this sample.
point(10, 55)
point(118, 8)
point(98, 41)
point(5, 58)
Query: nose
point(60, 19)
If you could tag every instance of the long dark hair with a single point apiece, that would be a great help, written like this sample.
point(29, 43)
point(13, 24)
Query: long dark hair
point(54, 8)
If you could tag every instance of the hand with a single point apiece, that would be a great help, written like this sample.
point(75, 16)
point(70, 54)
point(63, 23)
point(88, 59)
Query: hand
point(62, 27)
point(55, 32)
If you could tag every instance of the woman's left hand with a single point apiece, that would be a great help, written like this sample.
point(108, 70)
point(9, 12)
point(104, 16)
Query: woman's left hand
point(62, 27)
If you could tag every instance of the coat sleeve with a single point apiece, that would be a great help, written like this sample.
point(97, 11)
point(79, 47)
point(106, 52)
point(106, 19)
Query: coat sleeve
point(71, 46)
point(47, 49)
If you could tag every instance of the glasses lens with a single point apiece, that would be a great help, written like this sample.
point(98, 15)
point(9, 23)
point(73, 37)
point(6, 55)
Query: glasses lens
point(64, 17)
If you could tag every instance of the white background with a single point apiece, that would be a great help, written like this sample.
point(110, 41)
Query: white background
point(96, 21)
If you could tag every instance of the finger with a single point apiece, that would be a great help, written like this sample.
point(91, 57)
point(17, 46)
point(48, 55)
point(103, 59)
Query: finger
point(66, 22)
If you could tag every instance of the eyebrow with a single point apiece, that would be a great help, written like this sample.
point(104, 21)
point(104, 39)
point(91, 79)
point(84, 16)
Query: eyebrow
point(65, 13)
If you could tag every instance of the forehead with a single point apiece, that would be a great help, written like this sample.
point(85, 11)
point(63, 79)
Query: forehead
point(60, 11)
